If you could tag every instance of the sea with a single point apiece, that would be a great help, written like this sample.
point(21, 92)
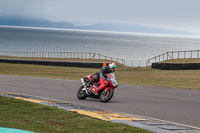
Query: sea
point(136, 48)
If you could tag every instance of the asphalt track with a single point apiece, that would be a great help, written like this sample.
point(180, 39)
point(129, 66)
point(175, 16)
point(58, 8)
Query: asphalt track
point(170, 104)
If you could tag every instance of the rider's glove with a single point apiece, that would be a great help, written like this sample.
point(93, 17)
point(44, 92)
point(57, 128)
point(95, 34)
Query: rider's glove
point(108, 79)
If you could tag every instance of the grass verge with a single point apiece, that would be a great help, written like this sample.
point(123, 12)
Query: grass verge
point(44, 119)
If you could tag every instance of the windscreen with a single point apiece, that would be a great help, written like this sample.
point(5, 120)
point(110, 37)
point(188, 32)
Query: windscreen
point(112, 75)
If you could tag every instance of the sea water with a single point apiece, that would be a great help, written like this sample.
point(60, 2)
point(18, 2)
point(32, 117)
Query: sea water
point(136, 48)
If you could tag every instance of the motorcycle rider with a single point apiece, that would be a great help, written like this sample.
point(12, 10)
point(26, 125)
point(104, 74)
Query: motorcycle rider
point(102, 73)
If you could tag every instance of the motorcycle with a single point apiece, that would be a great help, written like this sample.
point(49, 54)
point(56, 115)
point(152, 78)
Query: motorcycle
point(103, 89)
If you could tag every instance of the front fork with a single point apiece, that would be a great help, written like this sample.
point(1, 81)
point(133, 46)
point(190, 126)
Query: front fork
point(86, 88)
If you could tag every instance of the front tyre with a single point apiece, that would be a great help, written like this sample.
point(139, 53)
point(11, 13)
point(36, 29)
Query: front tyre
point(106, 96)
point(81, 94)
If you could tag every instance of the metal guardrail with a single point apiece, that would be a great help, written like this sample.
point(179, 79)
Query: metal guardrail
point(174, 55)
point(80, 55)
point(84, 55)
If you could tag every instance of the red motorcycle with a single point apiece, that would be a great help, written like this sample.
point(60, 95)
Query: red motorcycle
point(103, 90)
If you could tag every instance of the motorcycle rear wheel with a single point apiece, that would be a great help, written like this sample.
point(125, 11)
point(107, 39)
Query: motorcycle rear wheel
point(81, 94)
point(106, 96)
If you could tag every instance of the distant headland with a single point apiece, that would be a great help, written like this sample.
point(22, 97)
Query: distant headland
point(101, 26)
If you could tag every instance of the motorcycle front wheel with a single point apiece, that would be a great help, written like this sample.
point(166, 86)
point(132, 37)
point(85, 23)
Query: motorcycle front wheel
point(106, 96)
point(81, 94)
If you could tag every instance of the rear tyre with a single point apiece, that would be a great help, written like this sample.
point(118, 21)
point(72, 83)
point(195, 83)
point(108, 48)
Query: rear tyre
point(106, 96)
point(81, 94)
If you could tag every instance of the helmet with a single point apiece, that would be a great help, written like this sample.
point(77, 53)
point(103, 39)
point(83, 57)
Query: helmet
point(112, 66)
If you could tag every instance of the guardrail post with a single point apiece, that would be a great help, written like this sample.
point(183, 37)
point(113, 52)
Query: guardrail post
point(159, 58)
point(167, 55)
point(178, 54)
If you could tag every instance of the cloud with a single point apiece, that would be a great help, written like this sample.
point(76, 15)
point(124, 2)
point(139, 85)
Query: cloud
point(21, 7)
point(161, 13)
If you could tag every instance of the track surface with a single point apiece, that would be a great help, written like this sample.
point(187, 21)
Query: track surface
point(175, 105)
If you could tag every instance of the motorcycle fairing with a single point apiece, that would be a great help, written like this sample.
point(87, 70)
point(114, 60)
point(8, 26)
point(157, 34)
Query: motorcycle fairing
point(108, 88)
point(102, 85)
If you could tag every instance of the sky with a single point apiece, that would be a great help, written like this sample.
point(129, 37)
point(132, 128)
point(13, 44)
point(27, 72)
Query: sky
point(171, 14)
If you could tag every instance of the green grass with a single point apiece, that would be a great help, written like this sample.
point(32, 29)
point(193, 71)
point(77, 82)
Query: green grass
point(38, 118)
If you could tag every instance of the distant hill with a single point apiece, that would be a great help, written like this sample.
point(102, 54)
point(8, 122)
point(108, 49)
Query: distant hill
point(33, 22)
point(102, 26)
point(135, 28)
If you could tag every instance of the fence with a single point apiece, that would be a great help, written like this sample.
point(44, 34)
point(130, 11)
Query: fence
point(80, 55)
point(174, 55)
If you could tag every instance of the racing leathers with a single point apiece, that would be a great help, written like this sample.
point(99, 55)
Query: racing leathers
point(101, 73)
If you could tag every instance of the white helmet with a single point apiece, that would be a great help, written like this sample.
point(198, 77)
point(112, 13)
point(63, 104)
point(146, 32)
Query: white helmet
point(112, 66)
